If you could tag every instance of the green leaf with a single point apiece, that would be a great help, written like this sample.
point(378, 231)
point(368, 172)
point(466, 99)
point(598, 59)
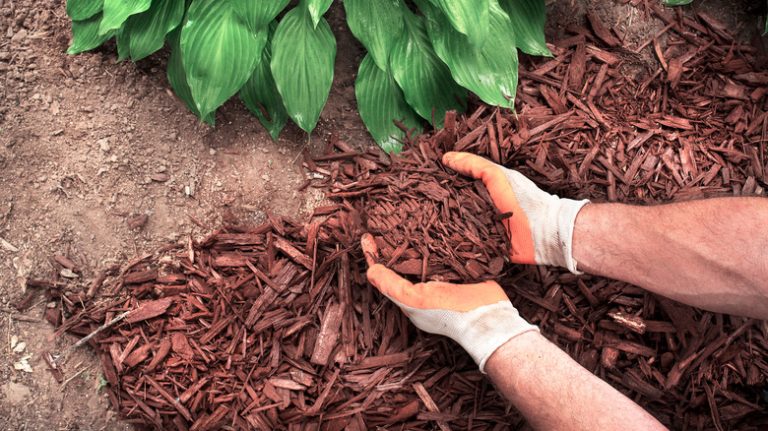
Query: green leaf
point(490, 71)
point(102, 382)
point(178, 78)
point(377, 25)
point(116, 12)
point(259, 13)
point(80, 10)
point(261, 97)
point(677, 2)
point(122, 38)
point(147, 30)
point(425, 80)
point(219, 52)
point(302, 65)
point(381, 103)
point(85, 35)
point(528, 18)
point(318, 8)
point(469, 17)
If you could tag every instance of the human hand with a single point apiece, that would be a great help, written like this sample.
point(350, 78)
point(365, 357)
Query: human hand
point(541, 224)
point(479, 316)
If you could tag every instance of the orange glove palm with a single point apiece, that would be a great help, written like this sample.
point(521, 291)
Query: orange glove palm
point(541, 225)
point(479, 316)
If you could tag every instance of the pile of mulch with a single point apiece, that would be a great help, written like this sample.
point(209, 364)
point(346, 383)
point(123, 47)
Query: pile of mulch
point(274, 327)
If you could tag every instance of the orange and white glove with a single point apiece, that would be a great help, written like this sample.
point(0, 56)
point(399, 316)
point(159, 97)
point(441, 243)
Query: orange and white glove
point(541, 224)
point(479, 316)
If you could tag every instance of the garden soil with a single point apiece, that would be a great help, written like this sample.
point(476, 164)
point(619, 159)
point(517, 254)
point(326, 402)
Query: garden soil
point(99, 162)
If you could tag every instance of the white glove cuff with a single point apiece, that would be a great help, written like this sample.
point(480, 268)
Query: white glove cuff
point(487, 328)
point(479, 331)
point(566, 220)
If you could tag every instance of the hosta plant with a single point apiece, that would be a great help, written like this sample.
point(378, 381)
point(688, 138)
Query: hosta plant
point(423, 57)
point(687, 2)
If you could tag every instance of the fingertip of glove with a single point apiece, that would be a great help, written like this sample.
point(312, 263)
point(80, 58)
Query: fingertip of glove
point(467, 163)
point(448, 158)
point(370, 249)
point(458, 161)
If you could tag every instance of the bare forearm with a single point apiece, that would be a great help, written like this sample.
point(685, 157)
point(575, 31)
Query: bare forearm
point(711, 253)
point(553, 392)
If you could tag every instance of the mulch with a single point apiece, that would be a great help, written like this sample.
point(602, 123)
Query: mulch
point(274, 326)
point(429, 222)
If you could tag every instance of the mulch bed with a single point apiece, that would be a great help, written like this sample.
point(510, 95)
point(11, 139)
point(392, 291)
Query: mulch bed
point(274, 326)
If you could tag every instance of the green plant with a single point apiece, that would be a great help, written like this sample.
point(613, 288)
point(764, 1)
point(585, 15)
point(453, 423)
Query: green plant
point(673, 3)
point(421, 59)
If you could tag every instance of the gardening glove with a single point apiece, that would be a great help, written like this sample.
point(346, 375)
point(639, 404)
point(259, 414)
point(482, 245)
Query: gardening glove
point(541, 225)
point(479, 316)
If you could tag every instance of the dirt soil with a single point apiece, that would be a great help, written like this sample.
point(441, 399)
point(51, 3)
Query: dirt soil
point(89, 145)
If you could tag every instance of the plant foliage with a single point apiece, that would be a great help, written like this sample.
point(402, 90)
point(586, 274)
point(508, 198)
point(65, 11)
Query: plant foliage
point(423, 56)
point(687, 2)
point(677, 2)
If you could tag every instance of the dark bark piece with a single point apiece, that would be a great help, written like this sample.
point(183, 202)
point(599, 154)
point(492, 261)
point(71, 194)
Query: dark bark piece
point(577, 68)
point(160, 354)
point(66, 263)
point(53, 367)
point(193, 390)
point(149, 309)
point(25, 302)
point(429, 403)
point(98, 282)
point(170, 398)
point(292, 252)
point(53, 316)
point(381, 361)
point(139, 277)
point(180, 345)
point(137, 356)
point(329, 334)
point(633, 323)
point(137, 222)
point(601, 31)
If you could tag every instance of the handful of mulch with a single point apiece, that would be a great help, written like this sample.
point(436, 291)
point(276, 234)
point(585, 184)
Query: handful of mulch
point(429, 222)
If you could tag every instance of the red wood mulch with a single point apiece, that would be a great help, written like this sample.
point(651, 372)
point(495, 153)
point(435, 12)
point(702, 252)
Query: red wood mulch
point(274, 327)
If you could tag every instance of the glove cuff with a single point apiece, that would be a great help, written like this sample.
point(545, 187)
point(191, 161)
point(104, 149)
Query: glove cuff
point(487, 328)
point(566, 220)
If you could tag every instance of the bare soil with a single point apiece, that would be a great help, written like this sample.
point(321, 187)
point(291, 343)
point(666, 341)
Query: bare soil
point(87, 144)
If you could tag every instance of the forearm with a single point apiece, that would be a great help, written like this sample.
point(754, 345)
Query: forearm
point(553, 392)
point(712, 253)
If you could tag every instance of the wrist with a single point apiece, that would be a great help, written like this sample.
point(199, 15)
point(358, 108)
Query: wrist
point(586, 228)
point(514, 353)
